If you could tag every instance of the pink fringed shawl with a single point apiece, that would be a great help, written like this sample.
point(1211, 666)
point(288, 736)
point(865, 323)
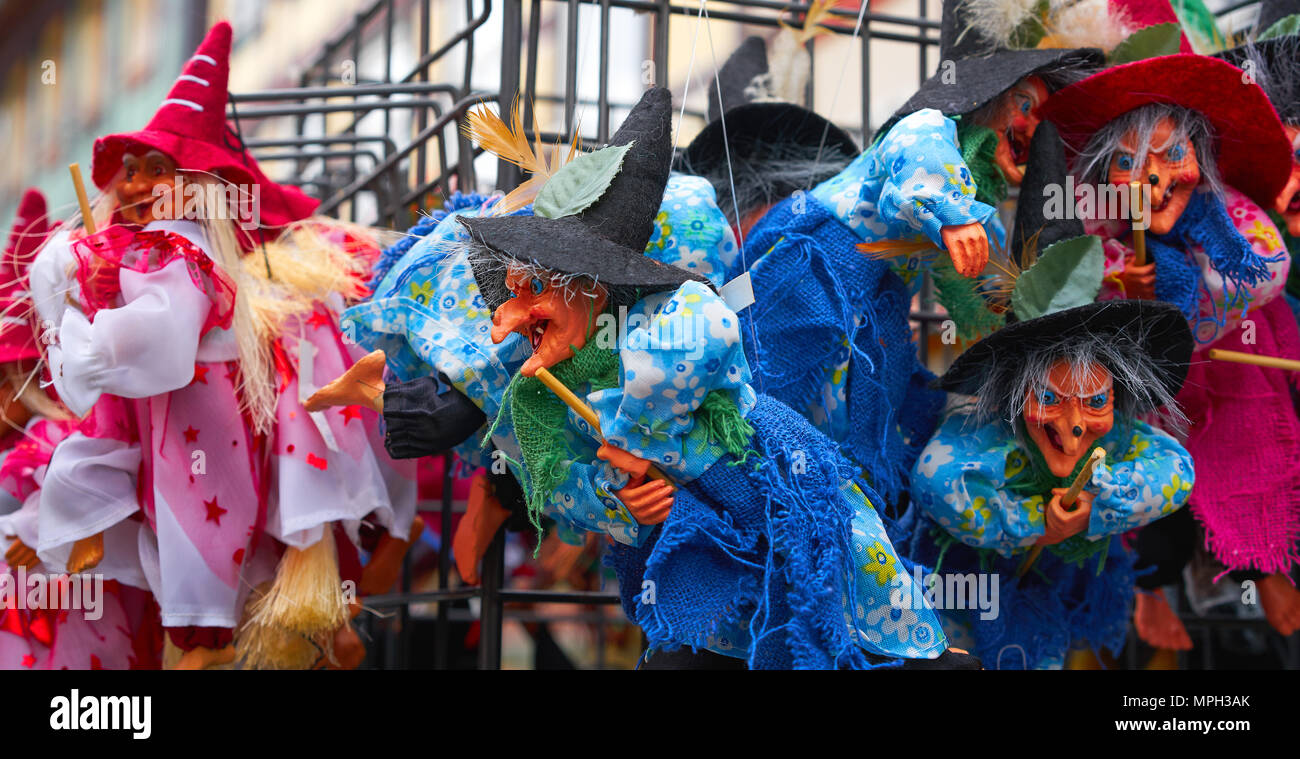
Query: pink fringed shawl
point(1245, 440)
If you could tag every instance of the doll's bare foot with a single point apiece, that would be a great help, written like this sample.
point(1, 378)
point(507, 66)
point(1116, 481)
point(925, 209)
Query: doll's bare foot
point(1281, 602)
point(1157, 624)
point(360, 385)
point(206, 658)
point(21, 555)
point(86, 553)
point(482, 519)
point(381, 572)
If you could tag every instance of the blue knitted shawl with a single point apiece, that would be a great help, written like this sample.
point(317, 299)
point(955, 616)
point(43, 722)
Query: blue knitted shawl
point(816, 289)
point(1179, 281)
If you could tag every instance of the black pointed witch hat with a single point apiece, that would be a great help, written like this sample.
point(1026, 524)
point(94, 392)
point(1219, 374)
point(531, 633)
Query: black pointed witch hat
point(606, 240)
point(756, 123)
point(974, 70)
point(1045, 176)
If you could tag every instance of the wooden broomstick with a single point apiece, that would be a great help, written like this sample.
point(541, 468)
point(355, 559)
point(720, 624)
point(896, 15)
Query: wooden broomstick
point(1139, 229)
point(1067, 500)
point(87, 220)
point(586, 412)
point(1237, 357)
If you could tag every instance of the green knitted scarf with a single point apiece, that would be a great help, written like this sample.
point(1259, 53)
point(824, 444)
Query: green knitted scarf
point(540, 421)
point(979, 146)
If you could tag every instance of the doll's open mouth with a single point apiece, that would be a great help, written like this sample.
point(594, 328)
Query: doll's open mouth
point(1019, 145)
point(1293, 205)
point(1054, 438)
point(1164, 199)
point(538, 330)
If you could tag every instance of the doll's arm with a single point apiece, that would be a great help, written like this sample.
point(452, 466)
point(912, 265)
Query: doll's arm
point(89, 485)
point(145, 347)
point(1151, 479)
point(960, 482)
point(49, 281)
point(928, 186)
point(422, 421)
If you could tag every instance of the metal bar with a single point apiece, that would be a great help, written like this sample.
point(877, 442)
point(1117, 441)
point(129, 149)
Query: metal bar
point(489, 646)
point(511, 40)
point(442, 627)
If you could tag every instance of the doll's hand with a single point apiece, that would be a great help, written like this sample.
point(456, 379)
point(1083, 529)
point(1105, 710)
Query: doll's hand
point(86, 554)
point(21, 555)
point(1062, 524)
point(361, 385)
point(1139, 281)
point(968, 246)
point(649, 501)
point(633, 466)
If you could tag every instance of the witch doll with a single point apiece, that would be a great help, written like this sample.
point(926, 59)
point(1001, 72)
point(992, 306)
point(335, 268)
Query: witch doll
point(188, 334)
point(123, 632)
point(445, 378)
point(1203, 140)
point(1036, 476)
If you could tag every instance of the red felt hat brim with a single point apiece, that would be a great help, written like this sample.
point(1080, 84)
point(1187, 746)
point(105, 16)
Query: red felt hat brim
point(1254, 155)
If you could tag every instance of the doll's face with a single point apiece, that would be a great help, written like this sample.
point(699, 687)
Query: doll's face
point(556, 320)
point(143, 170)
point(1171, 169)
point(1014, 119)
point(1288, 201)
point(1076, 409)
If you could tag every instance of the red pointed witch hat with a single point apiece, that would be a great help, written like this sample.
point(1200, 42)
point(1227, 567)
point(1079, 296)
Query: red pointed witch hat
point(190, 128)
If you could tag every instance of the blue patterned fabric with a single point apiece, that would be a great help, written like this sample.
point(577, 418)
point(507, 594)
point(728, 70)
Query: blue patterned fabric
point(829, 334)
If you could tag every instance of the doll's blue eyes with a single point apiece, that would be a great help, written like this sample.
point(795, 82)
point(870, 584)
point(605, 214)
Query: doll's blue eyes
point(1098, 401)
point(1048, 398)
point(1177, 153)
point(1124, 162)
point(1025, 105)
point(537, 286)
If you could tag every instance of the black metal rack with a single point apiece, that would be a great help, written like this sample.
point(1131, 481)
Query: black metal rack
point(378, 150)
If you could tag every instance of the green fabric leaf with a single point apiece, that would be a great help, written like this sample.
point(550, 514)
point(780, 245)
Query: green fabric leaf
point(1067, 274)
point(580, 182)
point(1200, 23)
point(1153, 41)
point(1285, 26)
